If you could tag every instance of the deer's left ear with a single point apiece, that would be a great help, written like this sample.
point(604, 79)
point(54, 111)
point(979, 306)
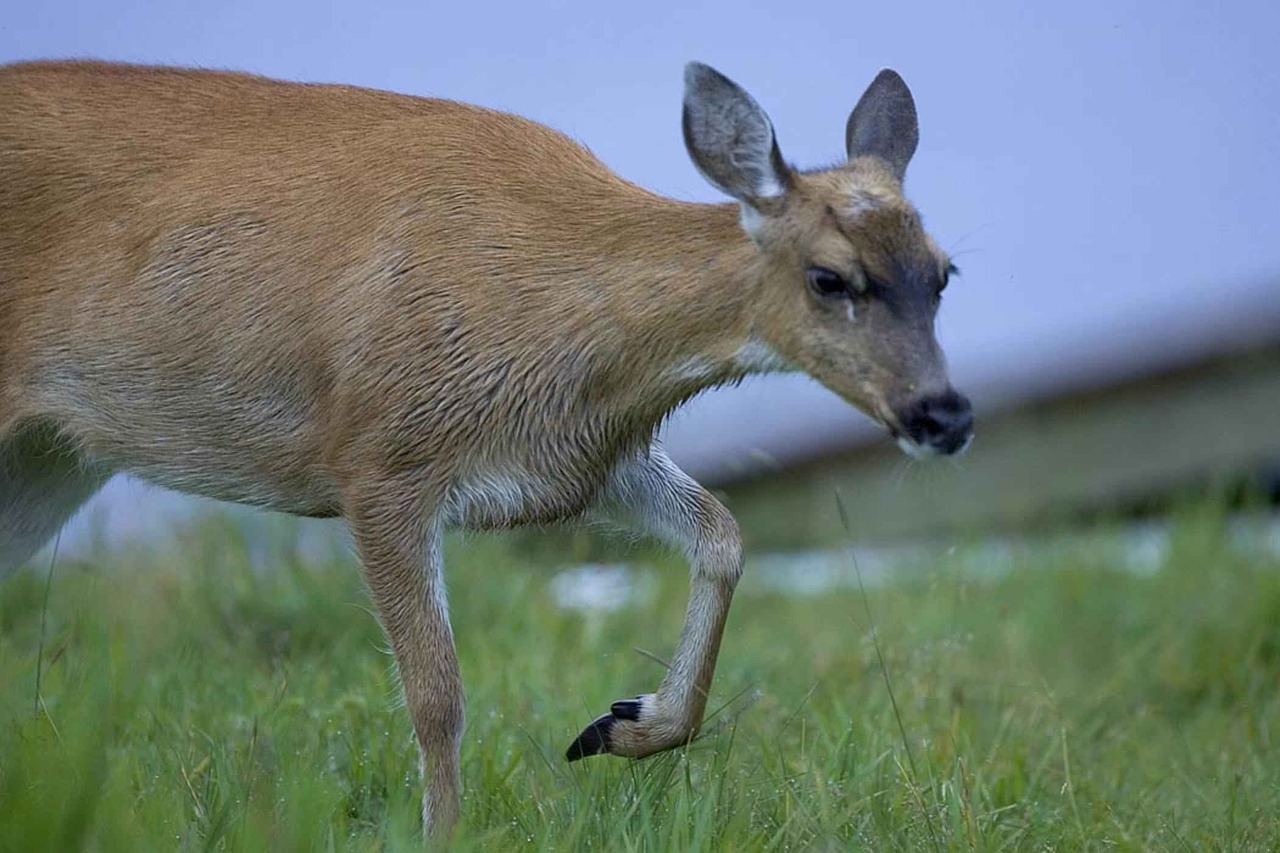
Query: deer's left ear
point(884, 124)
point(730, 139)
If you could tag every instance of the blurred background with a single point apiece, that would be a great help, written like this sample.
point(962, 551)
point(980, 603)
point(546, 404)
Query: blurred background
point(1106, 174)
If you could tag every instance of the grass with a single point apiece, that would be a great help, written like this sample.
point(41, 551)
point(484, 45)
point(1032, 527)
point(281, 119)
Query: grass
point(191, 702)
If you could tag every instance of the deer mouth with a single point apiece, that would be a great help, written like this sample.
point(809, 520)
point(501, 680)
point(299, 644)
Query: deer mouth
point(921, 450)
point(939, 424)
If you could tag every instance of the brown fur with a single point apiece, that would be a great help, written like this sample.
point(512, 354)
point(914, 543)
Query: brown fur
point(411, 313)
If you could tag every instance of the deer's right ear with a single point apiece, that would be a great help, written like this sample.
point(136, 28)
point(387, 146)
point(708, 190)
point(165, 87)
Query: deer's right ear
point(730, 139)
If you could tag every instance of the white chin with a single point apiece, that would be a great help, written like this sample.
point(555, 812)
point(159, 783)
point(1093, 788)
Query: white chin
point(916, 450)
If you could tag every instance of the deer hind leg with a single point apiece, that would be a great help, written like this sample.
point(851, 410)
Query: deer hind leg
point(43, 481)
point(397, 534)
point(655, 495)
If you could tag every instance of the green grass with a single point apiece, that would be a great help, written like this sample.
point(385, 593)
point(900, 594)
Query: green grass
point(189, 702)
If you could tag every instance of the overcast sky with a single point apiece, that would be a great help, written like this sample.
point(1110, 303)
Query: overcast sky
point(1103, 171)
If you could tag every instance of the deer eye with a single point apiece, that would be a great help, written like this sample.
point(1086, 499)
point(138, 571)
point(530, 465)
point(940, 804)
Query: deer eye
point(826, 283)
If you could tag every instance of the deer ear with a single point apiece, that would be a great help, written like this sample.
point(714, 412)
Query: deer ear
point(883, 124)
point(729, 137)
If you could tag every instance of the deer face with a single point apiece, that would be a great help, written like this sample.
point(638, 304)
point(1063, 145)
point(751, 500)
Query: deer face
point(849, 281)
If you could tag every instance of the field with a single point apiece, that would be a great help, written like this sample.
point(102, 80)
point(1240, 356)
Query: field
point(190, 701)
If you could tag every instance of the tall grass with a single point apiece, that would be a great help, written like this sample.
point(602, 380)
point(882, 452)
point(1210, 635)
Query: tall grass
point(190, 701)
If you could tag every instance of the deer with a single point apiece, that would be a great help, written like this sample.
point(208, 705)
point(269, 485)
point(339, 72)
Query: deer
point(420, 315)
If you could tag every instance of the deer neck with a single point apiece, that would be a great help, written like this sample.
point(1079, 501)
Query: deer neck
point(686, 280)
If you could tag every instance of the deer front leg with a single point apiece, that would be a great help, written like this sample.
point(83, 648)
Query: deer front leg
point(399, 544)
point(655, 495)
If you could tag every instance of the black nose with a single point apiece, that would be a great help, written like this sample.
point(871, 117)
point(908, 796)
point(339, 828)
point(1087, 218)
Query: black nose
point(942, 422)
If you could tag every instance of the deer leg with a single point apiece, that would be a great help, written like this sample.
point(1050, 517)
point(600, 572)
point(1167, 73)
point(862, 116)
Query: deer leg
point(656, 496)
point(399, 544)
point(43, 481)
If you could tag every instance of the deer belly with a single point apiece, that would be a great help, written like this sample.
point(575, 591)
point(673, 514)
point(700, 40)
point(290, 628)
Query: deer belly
point(198, 437)
point(224, 479)
point(493, 499)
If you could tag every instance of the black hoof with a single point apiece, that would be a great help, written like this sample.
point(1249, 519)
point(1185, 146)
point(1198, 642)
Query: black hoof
point(594, 738)
point(626, 709)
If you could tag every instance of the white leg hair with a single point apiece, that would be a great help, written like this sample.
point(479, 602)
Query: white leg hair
point(652, 494)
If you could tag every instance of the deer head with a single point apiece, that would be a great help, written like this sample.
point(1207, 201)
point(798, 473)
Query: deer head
point(849, 282)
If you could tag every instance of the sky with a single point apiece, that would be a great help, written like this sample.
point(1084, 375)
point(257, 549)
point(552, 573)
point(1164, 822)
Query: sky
point(1106, 174)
